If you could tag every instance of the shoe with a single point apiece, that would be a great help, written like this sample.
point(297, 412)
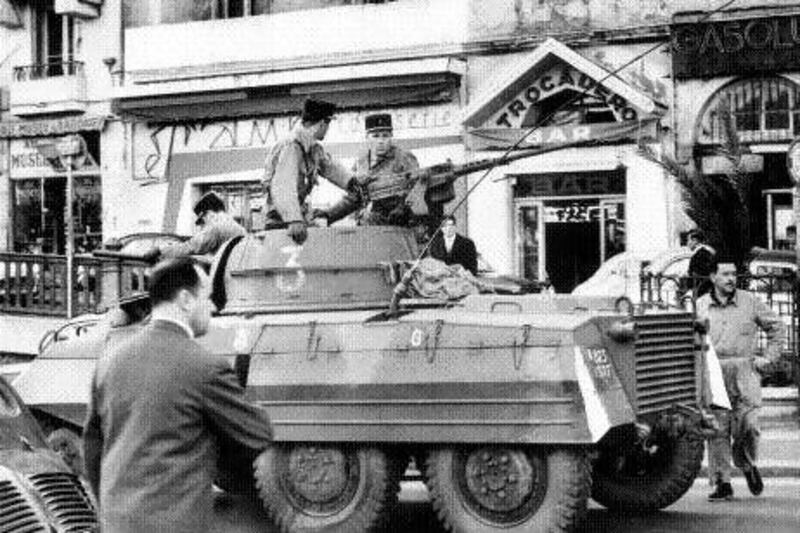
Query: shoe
point(754, 482)
point(724, 492)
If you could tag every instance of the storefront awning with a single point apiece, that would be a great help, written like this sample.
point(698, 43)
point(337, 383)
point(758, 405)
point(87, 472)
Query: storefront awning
point(362, 86)
point(12, 129)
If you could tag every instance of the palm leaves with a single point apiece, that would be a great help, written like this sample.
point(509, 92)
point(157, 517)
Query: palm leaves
point(718, 204)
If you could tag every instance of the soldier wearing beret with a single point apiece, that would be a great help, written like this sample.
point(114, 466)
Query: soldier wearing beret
point(216, 227)
point(381, 157)
point(293, 166)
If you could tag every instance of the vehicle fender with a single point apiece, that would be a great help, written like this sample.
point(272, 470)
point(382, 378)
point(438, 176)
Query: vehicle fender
point(605, 401)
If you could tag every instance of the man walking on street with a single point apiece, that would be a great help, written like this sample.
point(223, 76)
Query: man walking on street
point(734, 317)
point(382, 159)
point(293, 166)
point(216, 227)
point(160, 408)
point(452, 248)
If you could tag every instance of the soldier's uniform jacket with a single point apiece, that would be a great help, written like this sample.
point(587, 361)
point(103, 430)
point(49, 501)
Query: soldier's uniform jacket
point(206, 241)
point(370, 167)
point(291, 171)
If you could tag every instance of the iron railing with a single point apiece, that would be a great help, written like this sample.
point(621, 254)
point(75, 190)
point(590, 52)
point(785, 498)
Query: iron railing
point(36, 283)
point(51, 69)
point(778, 291)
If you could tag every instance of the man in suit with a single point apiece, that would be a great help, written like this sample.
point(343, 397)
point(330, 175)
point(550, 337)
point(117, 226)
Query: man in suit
point(701, 263)
point(160, 408)
point(452, 248)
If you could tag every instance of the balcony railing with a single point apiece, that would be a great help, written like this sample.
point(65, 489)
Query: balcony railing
point(37, 284)
point(41, 71)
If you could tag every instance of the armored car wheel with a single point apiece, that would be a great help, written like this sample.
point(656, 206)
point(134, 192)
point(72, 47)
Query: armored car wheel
point(509, 489)
point(648, 475)
point(311, 487)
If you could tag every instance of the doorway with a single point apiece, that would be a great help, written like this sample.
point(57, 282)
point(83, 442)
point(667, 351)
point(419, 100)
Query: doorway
point(566, 240)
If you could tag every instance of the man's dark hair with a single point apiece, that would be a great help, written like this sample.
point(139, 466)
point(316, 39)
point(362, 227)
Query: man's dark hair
point(715, 261)
point(170, 276)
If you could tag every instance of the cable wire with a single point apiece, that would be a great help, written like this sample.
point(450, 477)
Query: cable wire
point(544, 120)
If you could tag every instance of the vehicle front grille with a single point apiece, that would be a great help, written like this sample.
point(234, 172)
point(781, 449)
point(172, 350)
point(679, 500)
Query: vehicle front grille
point(16, 514)
point(66, 500)
point(665, 362)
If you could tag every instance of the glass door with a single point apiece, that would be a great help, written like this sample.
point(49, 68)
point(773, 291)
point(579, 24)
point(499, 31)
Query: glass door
point(530, 263)
point(614, 236)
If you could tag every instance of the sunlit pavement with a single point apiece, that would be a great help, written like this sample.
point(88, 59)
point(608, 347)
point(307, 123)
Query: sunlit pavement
point(776, 511)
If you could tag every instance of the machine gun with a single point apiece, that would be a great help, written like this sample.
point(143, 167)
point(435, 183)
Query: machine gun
point(437, 178)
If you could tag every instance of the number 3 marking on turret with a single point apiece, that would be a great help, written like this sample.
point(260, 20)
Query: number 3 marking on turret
point(283, 284)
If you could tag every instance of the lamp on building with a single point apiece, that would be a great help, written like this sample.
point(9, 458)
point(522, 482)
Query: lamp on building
point(109, 62)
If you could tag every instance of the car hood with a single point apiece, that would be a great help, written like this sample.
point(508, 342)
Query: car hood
point(32, 461)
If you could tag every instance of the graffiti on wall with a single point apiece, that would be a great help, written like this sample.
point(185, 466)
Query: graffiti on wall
point(154, 145)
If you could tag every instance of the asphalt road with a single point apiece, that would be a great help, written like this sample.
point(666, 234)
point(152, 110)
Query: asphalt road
point(776, 511)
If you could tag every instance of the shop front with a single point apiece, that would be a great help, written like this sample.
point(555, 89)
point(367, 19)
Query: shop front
point(748, 61)
point(569, 210)
point(37, 189)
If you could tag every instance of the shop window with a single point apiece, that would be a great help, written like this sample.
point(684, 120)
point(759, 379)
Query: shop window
point(569, 107)
point(245, 202)
point(764, 110)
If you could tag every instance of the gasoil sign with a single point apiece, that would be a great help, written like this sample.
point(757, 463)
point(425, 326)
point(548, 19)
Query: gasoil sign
point(705, 49)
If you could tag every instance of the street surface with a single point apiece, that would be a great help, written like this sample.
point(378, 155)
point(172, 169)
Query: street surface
point(776, 511)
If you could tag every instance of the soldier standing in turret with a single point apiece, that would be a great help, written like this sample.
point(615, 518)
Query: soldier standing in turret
point(293, 166)
point(381, 158)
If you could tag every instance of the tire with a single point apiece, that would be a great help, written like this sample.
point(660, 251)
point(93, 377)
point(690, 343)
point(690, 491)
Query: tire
point(552, 487)
point(309, 487)
point(69, 445)
point(647, 481)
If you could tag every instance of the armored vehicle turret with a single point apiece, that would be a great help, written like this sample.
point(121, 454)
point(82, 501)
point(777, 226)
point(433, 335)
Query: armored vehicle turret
point(515, 408)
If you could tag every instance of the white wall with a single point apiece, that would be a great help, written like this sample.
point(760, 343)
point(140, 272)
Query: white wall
point(338, 33)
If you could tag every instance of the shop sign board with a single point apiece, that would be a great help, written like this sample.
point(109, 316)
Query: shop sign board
point(154, 145)
point(563, 77)
point(750, 46)
point(570, 184)
point(502, 138)
point(26, 161)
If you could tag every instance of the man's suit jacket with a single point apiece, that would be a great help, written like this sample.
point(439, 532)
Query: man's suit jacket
point(160, 407)
point(463, 252)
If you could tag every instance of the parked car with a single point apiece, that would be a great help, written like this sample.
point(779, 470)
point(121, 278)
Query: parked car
point(621, 274)
point(38, 490)
point(140, 243)
point(773, 277)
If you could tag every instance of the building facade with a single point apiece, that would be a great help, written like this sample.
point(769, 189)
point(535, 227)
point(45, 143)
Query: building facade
point(748, 60)
point(56, 71)
point(189, 94)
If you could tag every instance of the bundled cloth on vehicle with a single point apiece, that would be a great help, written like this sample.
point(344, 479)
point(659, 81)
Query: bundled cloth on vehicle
point(435, 279)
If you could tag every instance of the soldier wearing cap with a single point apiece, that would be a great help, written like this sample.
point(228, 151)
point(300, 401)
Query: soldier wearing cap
point(293, 166)
point(217, 226)
point(382, 157)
